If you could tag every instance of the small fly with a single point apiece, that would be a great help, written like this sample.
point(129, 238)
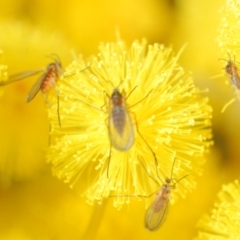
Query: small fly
point(121, 132)
point(234, 78)
point(120, 125)
point(232, 69)
point(45, 82)
point(157, 211)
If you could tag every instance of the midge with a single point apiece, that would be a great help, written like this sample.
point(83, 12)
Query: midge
point(157, 211)
point(119, 122)
point(45, 82)
point(120, 125)
point(233, 71)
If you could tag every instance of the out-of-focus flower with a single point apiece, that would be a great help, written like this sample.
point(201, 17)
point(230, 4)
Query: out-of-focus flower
point(223, 222)
point(24, 127)
point(3, 71)
point(86, 23)
point(45, 209)
point(166, 109)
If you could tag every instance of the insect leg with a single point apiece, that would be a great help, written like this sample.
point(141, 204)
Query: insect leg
point(148, 173)
point(58, 111)
point(149, 147)
point(58, 101)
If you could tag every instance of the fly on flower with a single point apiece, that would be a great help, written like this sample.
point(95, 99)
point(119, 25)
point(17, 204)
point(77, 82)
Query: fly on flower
point(45, 82)
point(157, 211)
point(83, 147)
point(120, 125)
point(233, 71)
point(121, 132)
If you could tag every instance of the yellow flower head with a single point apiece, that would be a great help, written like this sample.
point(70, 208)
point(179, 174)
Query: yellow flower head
point(223, 222)
point(229, 44)
point(229, 35)
point(162, 111)
point(24, 127)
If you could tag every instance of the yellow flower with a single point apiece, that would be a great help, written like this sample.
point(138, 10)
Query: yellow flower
point(229, 36)
point(163, 104)
point(223, 222)
point(229, 45)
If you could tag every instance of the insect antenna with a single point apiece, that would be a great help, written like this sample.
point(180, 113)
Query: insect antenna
point(174, 160)
point(130, 93)
point(55, 57)
point(180, 179)
point(140, 100)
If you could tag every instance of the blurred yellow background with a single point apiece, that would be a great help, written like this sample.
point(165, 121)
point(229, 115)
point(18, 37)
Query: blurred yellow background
point(35, 205)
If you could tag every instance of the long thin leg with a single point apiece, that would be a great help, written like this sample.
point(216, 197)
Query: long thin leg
point(148, 173)
point(149, 147)
point(58, 111)
point(58, 101)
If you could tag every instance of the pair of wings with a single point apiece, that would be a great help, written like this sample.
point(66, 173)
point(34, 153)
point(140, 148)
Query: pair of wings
point(123, 141)
point(37, 85)
point(154, 219)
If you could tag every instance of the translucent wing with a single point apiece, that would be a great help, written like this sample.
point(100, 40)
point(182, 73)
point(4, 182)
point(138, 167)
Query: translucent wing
point(233, 72)
point(20, 76)
point(121, 131)
point(35, 88)
point(235, 84)
point(155, 216)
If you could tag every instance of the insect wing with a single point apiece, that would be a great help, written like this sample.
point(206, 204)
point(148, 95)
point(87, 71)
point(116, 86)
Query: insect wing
point(234, 75)
point(155, 217)
point(19, 76)
point(36, 87)
point(236, 81)
point(235, 85)
point(121, 133)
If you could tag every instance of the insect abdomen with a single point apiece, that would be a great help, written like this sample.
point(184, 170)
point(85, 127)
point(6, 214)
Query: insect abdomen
point(119, 118)
point(50, 80)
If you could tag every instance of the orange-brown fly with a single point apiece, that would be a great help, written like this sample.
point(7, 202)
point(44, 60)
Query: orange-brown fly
point(233, 72)
point(44, 83)
point(156, 213)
